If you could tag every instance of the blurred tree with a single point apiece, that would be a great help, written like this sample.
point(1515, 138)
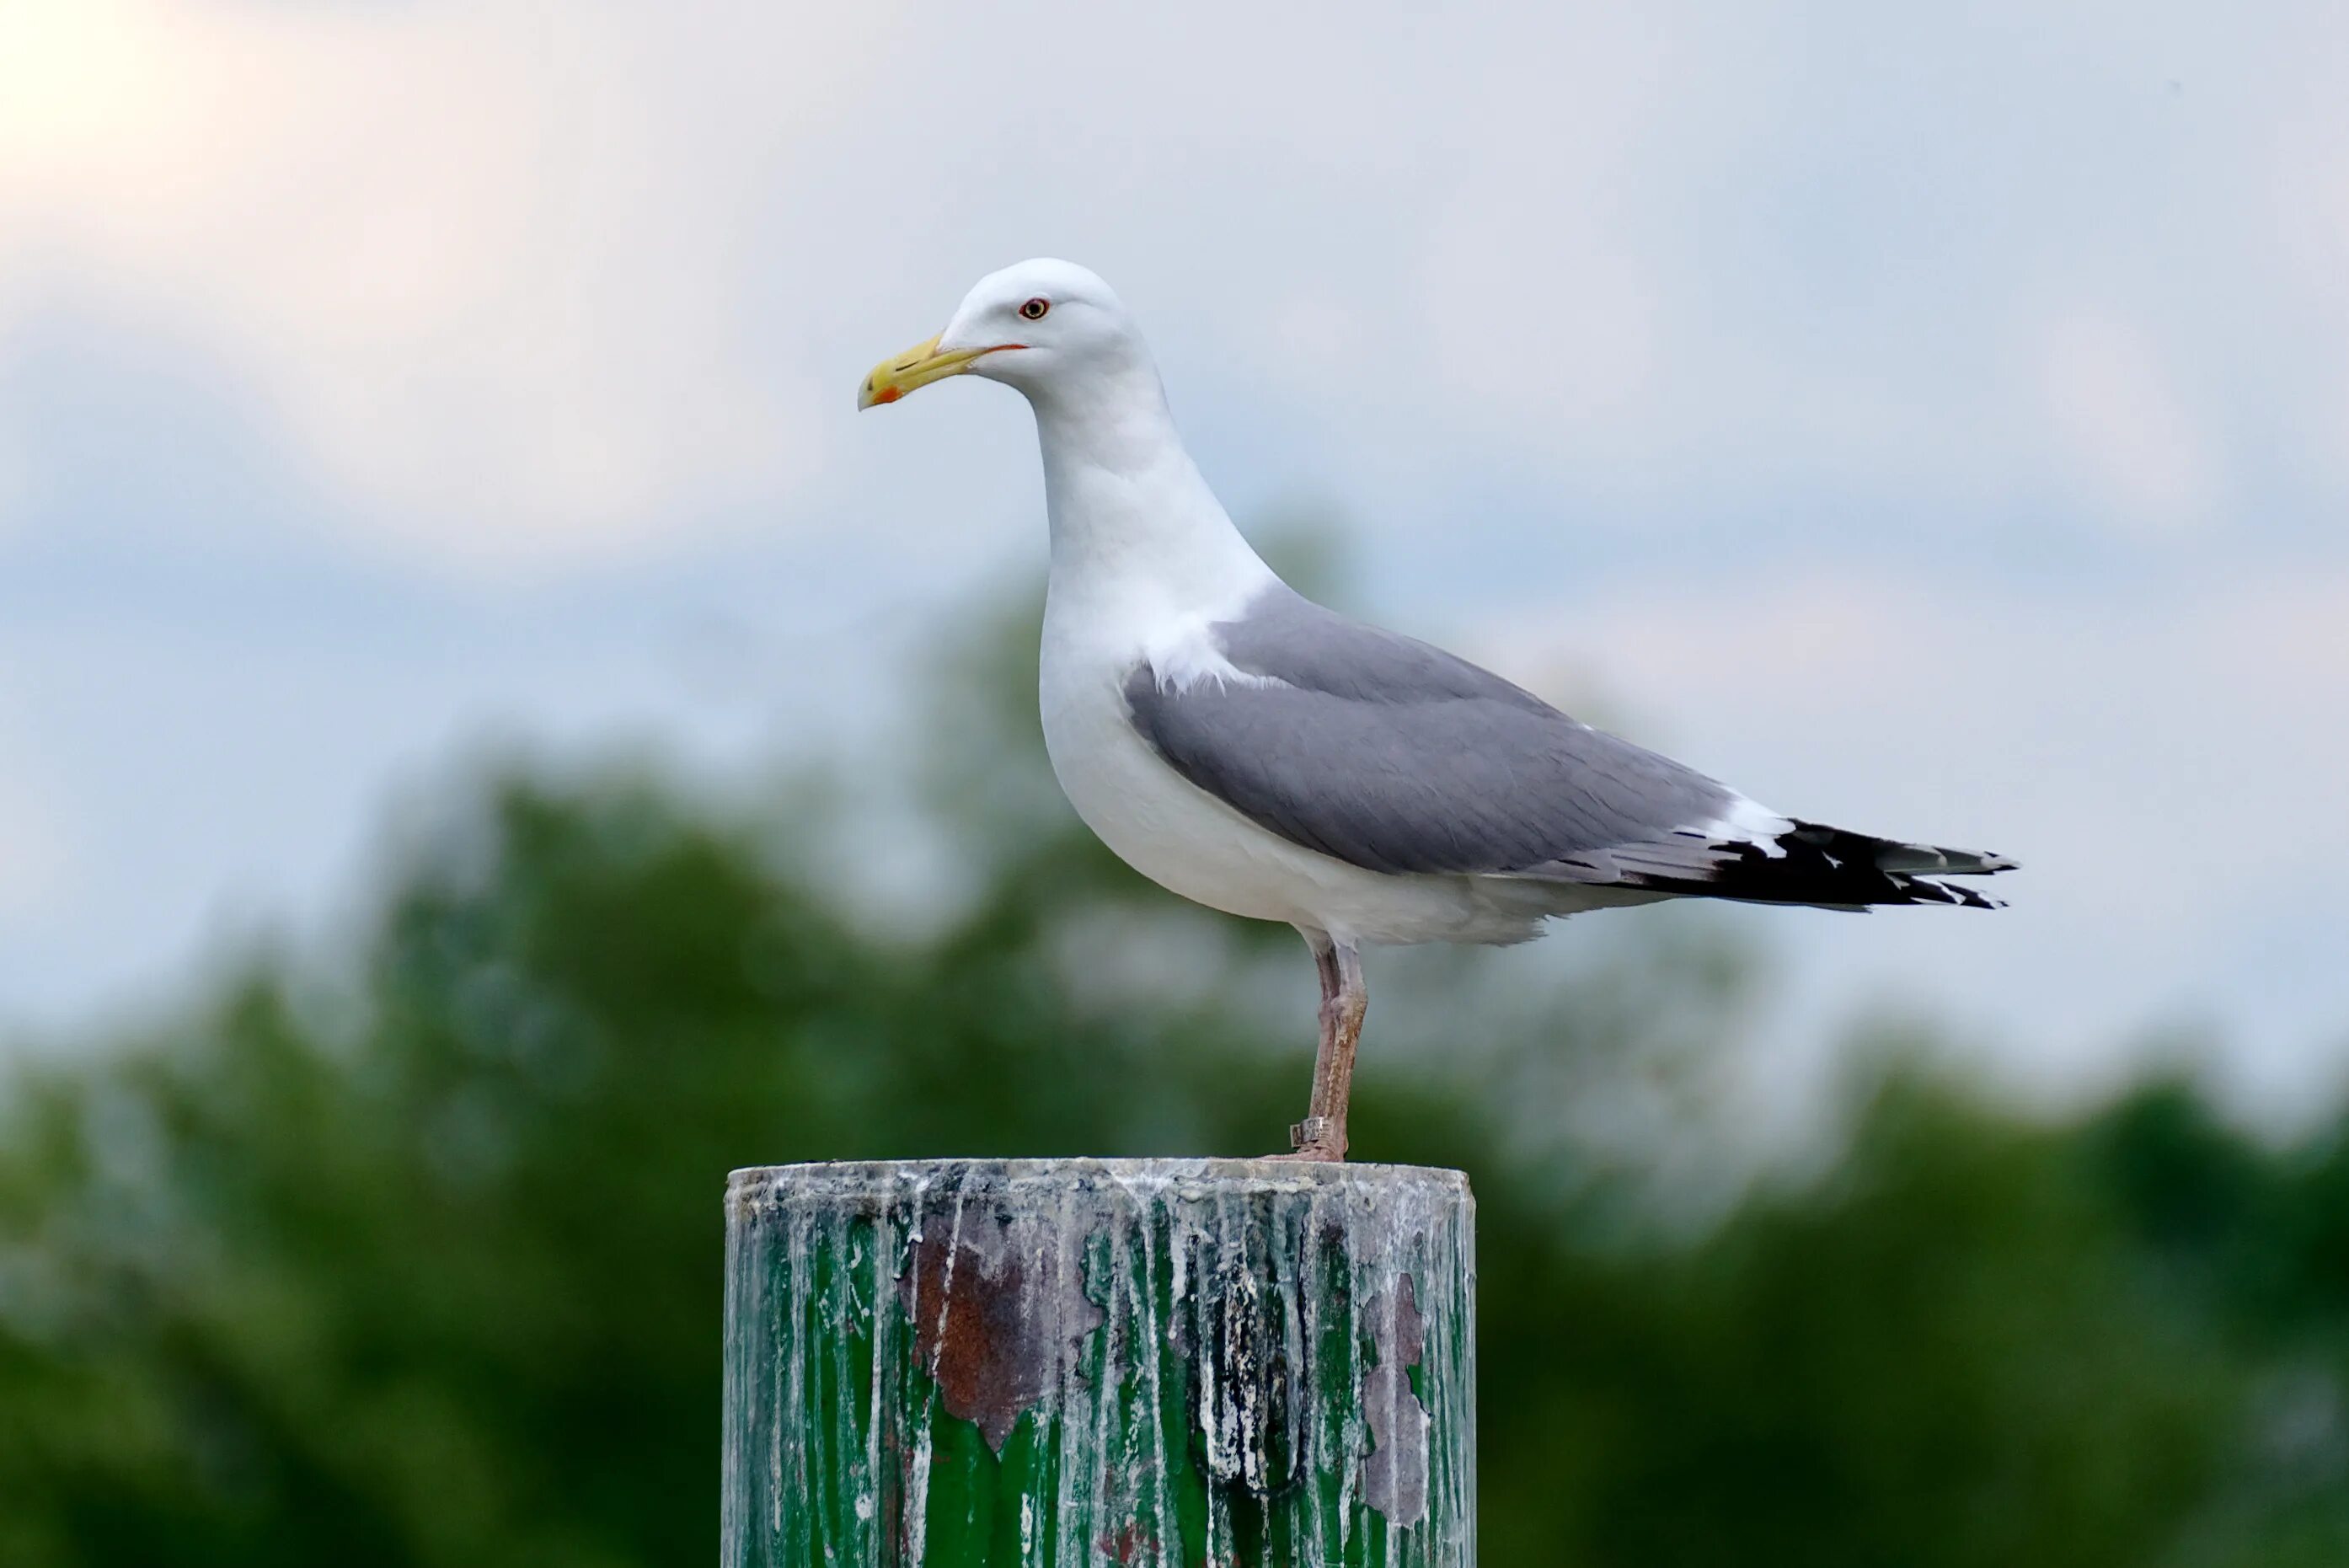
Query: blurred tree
point(421, 1266)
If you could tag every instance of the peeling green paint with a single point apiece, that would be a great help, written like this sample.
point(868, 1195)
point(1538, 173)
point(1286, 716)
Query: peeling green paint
point(1070, 1362)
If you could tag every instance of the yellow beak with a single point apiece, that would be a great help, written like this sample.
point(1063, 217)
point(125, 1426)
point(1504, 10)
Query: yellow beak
point(917, 366)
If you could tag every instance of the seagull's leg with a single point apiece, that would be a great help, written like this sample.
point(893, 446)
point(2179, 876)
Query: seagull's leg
point(1344, 999)
point(1310, 1137)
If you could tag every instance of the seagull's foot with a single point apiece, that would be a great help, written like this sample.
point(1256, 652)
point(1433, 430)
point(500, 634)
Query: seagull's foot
point(1317, 1139)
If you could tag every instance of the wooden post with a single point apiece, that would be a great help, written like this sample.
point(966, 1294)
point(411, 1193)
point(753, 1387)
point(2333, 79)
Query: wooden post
point(1059, 1364)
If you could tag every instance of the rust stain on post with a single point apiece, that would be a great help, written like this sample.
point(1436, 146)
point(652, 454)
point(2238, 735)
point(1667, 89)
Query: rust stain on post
point(987, 1330)
point(1065, 1363)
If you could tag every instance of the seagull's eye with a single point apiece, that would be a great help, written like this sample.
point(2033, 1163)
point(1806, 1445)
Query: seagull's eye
point(1034, 309)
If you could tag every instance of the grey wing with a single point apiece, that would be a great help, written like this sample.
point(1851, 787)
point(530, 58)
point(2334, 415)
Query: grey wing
point(1395, 756)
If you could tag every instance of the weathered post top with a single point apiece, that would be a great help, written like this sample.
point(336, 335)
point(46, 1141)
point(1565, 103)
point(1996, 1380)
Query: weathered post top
point(944, 1363)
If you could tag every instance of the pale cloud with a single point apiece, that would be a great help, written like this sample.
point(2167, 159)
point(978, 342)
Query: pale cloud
point(35, 830)
point(517, 285)
point(486, 266)
point(15, 473)
point(2122, 426)
point(2306, 166)
point(1554, 259)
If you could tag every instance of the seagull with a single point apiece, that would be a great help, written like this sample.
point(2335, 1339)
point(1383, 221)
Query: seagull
point(1251, 751)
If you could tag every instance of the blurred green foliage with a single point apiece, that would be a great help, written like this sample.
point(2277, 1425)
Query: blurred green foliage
point(410, 1254)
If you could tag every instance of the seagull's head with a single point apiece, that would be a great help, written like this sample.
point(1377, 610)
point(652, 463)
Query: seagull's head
point(1035, 326)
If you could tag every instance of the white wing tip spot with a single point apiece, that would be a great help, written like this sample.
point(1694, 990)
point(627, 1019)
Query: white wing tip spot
point(1750, 822)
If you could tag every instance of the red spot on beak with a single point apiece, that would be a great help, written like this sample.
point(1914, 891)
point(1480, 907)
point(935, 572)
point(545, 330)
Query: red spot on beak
point(887, 395)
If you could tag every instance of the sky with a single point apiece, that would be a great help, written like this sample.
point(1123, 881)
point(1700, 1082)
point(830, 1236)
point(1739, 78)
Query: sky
point(1934, 420)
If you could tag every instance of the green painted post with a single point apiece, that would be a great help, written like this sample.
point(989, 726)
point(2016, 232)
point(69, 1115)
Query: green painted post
point(1059, 1364)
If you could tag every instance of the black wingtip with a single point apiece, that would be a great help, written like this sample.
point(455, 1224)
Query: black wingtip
point(1926, 890)
point(1833, 867)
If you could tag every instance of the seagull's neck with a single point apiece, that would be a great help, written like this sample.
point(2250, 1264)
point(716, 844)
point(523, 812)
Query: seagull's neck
point(1134, 525)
